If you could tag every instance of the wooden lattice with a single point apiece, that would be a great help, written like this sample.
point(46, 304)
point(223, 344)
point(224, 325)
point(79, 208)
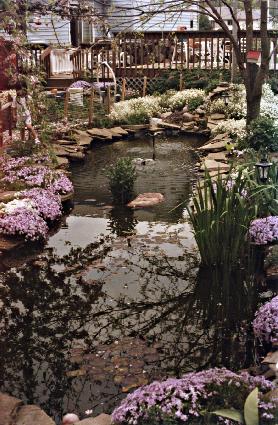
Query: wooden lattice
point(135, 86)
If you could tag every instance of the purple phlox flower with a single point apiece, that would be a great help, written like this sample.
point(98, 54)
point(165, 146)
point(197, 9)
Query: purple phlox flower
point(264, 230)
point(265, 324)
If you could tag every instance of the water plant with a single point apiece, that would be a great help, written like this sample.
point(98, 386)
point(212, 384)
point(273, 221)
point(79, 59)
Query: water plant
point(192, 399)
point(121, 178)
point(220, 214)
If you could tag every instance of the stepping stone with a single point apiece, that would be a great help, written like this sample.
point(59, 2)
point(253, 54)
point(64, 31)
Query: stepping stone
point(146, 200)
point(101, 133)
point(65, 142)
point(32, 415)
point(211, 125)
point(214, 147)
point(212, 165)
point(217, 156)
point(82, 138)
point(135, 127)
point(101, 419)
point(62, 161)
point(9, 407)
point(217, 117)
point(59, 150)
point(118, 131)
point(169, 125)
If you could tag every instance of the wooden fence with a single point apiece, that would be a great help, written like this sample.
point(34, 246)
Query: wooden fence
point(150, 54)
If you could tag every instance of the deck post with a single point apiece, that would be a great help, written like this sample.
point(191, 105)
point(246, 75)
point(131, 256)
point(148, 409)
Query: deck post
point(66, 107)
point(91, 106)
point(145, 86)
point(108, 100)
point(123, 88)
point(181, 81)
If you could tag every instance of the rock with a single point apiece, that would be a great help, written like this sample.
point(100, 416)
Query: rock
point(188, 125)
point(185, 108)
point(8, 244)
point(212, 165)
point(62, 161)
point(166, 115)
point(32, 415)
point(8, 196)
point(146, 200)
point(100, 133)
point(217, 156)
point(214, 147)
point(187, 117)
point(211, 125)
point(65, 142)
point(217, 117)
point(219, 137)
point(271, 358)
point(66, 197)
point(70, 418)
point(119, 131)
point(9, 407)
point(200, 111)
point(101, 419)
point(169, 125)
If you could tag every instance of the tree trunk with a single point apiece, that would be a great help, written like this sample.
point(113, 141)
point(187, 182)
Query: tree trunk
point(253, 92)
point(253, 107)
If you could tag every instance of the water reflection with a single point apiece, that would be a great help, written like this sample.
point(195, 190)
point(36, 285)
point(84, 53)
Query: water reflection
point(75, 328)
point(122, 221)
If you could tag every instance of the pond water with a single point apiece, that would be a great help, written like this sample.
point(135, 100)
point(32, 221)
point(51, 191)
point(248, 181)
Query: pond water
point(117, 299)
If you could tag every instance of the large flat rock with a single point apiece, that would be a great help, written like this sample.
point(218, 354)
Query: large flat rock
point(145, 200)
point(101, 419)
point(32, 415)
point(217, 156)
point(100, 133)
point(214, 147)
point(118, 132)
point(9, 407)
point(212, 165)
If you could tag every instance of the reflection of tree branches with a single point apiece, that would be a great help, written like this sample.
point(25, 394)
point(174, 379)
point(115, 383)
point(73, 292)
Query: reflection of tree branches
point(47, 308)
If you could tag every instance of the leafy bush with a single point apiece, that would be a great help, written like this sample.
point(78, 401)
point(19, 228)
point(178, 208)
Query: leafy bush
point(263, 134)
point(220, 215)
point(194, 103)
point(122, 177)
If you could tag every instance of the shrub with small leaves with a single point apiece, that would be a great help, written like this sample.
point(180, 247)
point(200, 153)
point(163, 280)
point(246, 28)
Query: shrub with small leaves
point(122, 177)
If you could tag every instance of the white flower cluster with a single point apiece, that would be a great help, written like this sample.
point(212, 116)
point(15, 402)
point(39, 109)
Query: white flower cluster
point(152, 106)
point(11, 206)
point(269, 103)
point(182, 98)
point(235, 128)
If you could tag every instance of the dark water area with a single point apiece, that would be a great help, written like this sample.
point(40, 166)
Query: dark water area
point(117, 298)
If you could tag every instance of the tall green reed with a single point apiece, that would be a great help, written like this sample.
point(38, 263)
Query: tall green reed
point(220, 213)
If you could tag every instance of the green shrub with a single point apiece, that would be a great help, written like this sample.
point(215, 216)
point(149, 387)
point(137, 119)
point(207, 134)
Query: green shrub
point(195, 103)
point(121, 178)
point(263, 134)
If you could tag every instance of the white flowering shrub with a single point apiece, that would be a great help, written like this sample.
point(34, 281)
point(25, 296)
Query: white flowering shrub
point(182, 98)
point(151, 106)
point(217, 107)
point(269, 103)
point(235, 128)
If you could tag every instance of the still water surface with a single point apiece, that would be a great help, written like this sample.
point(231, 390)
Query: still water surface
point(117, 298)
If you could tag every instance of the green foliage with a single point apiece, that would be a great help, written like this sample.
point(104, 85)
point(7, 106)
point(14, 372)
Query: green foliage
point(265, 196)
point(204, 23)
point(263, 134)
point(27, 148)
point(193, 79)
point(122, 177)
point(220, 216)
point(250, 416)
point(195, 103)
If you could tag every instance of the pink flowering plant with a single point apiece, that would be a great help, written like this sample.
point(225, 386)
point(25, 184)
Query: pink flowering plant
point(23, 221)
point(264, 230)
point(192, 399)
point(45, 201)
point(265, 325)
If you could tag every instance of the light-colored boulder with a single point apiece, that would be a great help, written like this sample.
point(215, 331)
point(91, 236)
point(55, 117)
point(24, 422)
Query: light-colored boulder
point(9, 407)
point(187, 117)
point(217, 117)
point(166, 115)
point(145, 200)
point(214, 147)
point(119, 131)
point(212, 165)
point(101, 133)
point(217, 156)
point(32, 415)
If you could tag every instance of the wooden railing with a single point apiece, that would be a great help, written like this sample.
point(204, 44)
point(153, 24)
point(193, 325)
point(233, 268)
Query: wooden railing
point(149, 54)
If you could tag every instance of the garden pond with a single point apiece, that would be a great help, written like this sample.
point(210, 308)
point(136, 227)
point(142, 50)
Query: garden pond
point(116, 298)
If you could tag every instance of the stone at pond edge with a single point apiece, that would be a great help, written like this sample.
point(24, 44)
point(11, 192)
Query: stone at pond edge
point(9, 407)
point(212, 165)
point(146, 200)
point(214, 147)
point(32, 415)
point(102, 419)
